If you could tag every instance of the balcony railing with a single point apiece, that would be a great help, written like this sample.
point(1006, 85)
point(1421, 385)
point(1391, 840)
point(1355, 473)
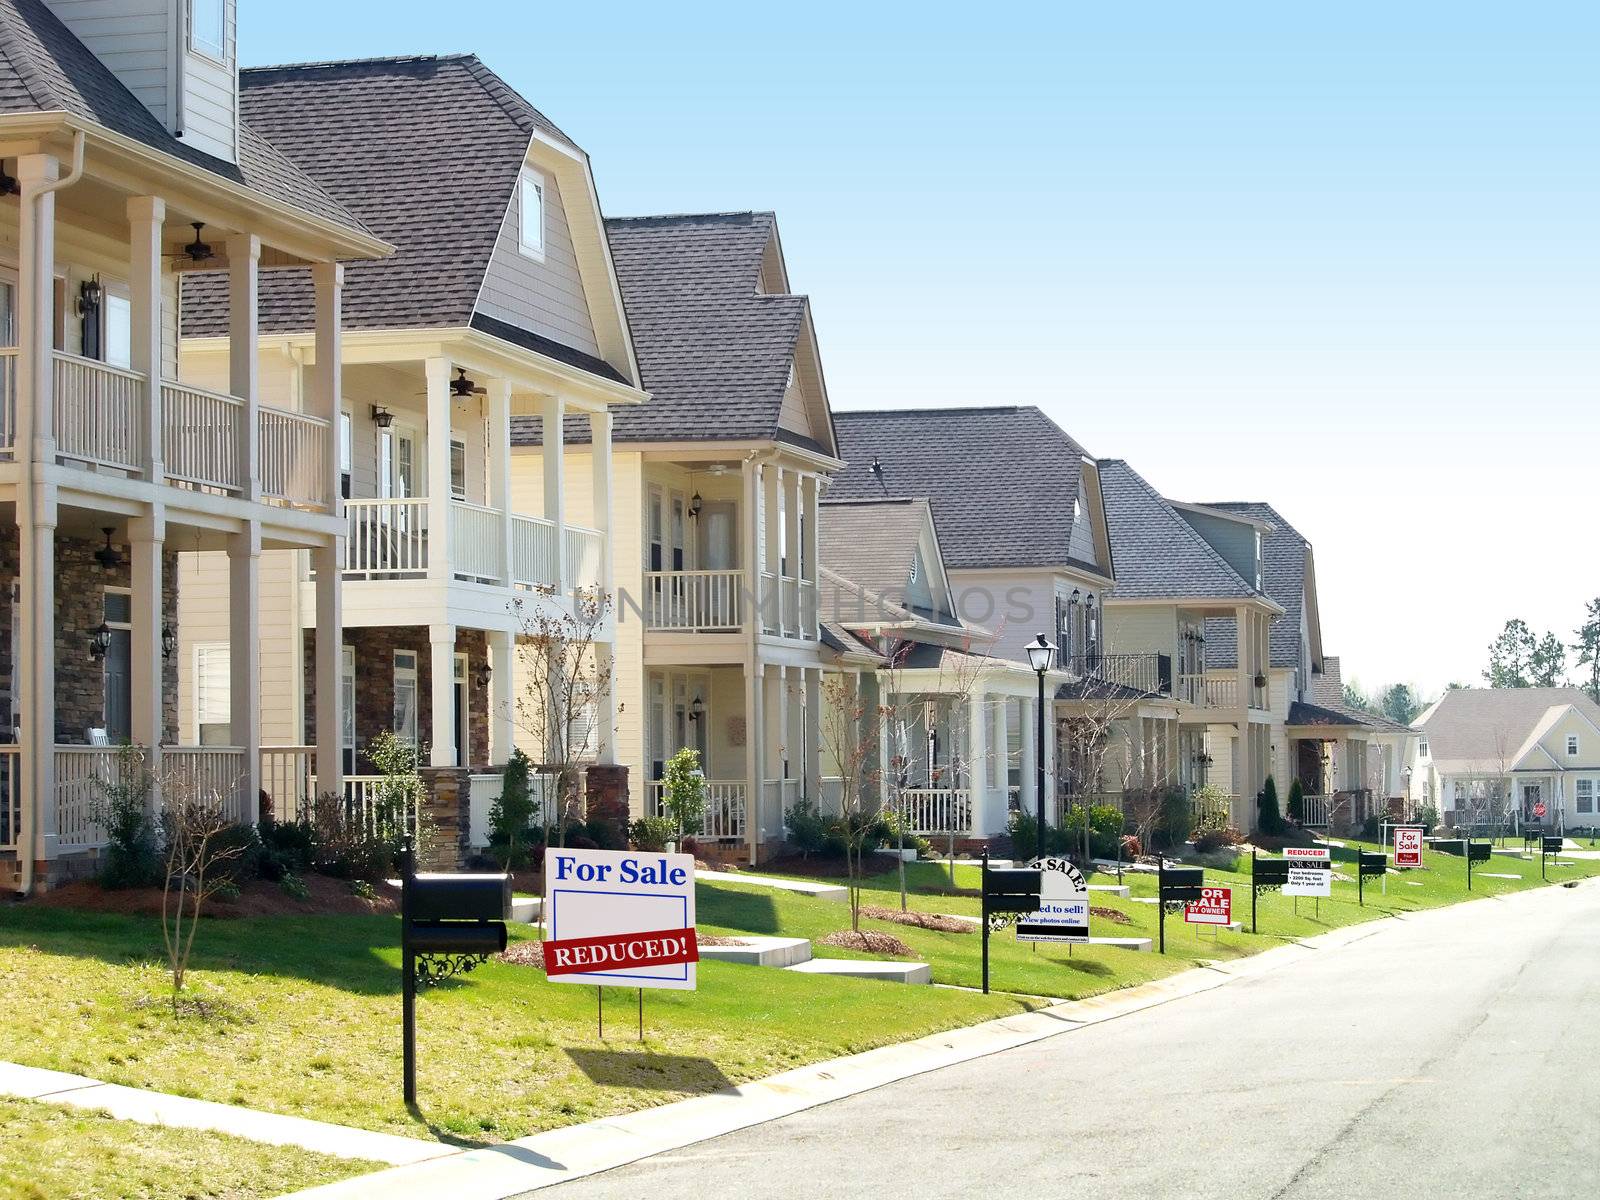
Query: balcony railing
point(1191, 688)
point(533, 552)
point(200, 437)
point(582, 546)
point(1151, 673)
point(477, 544)
point(928, 811)
point(694, 601)
point(292, 448)
point(386, 539)
point(99, 412)
point(1222, 691)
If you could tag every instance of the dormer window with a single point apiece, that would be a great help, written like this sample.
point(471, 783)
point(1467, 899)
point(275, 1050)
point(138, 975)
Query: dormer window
point(530, 225)
point(208, 28)
point(916, 567)
point(1572, 745)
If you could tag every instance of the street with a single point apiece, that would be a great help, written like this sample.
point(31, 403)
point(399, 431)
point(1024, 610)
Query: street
point(1448, 1055)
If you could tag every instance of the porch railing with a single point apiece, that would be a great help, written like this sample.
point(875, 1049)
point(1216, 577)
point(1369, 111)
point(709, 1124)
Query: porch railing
point(582, 548)
point(287, 777)
point(1316, 810)
point(832, 799)
point(725, 808)
point(99, 412)
point(929, 811)
point(10, 796)
point(533, 552)
point(697, 601)
point(82, 774)
point(292, 449)
point(212, 773)
point(200, 436)
point(1150, 672)
point(476, 545)
point(8, 401)
point(1222, 692)
point(1191, 688)
point(386, 539)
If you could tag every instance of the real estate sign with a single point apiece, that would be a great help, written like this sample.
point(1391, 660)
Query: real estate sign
point(1215, 907)
point(1408, 845)
point(619, 917)
point(1063, 914)
point(1310, 871)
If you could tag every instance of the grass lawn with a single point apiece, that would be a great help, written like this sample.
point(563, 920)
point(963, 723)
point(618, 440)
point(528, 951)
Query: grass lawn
point(301, 1015)
point(65, 1154)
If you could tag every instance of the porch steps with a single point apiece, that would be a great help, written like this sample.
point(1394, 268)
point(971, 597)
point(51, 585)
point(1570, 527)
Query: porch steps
point(798, 887)
point(762, 951)
point(866, 968)
point(527, 909)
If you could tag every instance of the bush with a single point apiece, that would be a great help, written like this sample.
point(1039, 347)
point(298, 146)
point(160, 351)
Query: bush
point(238, 854)
point(1173, 818)
point(603, 834)
point(132, 855)
point(1268, 818)
point(1428, 818)
point(683, 792)
point(1216, 837)
point(1024, 835)
point(295, 887)
point(653, 833)
point(344, 845)
point(511, 814)
point(1105, 827)
point(285, 848)
point(808, 829)
point(1296, 808)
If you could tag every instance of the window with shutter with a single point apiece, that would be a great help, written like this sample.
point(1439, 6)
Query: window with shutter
point(212, 697)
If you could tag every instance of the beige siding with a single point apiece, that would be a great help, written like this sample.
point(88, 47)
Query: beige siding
point(545, 297)
point(211, 98)
point(1141, 629)
point(132, 37)
point(793, 415)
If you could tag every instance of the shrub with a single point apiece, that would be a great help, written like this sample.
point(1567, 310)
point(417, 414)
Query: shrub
point(1131, 846)
point(1268, 818)
point(364, 889)
point(1428, 818)
point(683, 793)
point(238, 850)
point(1173, 818)
point(1024, 835)
point(285, 848)
point(295, 887)
point(604, 834)
point(132, 856)
point(1216, 837)
point(511, 814)
point(347, 846)
point(1296, 806)
point(808, 829)
point(653, 833)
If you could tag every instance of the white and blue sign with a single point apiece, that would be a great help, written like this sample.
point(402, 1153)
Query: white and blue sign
point(613, 894)
point(1063, 914)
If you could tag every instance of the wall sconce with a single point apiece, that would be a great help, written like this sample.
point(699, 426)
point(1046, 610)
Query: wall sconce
point(697, 709)
point(484, 673)
point(8, 183)
point(100, 642)
point(694, 507)
point(169, 639)
point(382, 417)
point(90, 296)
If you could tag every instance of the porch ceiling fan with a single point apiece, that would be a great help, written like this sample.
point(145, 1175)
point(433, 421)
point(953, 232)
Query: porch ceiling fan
point(462, 387)
point(199, 250)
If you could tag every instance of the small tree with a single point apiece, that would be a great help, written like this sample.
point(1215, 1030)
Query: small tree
point(684, 792)
point(399, 791)
point(1268, 817)
point(193, 824)
point(1297, 802)
point(121, 806)
point(512, 812)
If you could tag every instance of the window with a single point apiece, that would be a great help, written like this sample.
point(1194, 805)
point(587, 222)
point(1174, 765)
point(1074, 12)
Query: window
point(1586, 795)
point(458, 469)
point(1572, 745)
point(530, 226)
point(405, 696)
point(117, 714)
point(212, 698)
point(208, 27)
point(916, 567)
point(345, 454)
point(118, 343)
point(347, 718)
point(1422, 748)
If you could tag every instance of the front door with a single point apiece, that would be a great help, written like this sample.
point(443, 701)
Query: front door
point(118, 708)
point(1533, 803)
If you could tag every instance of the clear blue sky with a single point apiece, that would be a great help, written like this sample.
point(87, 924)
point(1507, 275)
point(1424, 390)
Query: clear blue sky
point(1343, 260)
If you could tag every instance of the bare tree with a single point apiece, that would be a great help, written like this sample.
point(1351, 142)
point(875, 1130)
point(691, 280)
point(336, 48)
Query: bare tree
point(564, 688)
point(1086, 742)
point(193, 824)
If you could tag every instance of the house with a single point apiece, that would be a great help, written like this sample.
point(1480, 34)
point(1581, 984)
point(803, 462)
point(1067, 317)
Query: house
point(124, 166)
point(1524, 756)
point(1022, 527)
point(499, 305)
point(715, 483)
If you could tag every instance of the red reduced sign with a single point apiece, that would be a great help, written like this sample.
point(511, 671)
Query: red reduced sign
point(1215, 907)
point(624, 951)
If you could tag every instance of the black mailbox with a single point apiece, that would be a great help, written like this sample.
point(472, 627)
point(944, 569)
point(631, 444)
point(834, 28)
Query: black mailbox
point(460, 898)
point(1480, 852)
point(1554, 845)
point(481, 938)
point(1373, 863)
point(1182, 884)
point(1269, 872)
point(1011, 890)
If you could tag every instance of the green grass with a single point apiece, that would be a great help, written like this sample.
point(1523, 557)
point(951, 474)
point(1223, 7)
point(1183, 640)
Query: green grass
point(302, 1015)
point(55, 1153)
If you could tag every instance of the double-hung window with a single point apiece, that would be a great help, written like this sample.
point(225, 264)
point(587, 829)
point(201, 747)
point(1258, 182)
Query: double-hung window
point(1585, 795)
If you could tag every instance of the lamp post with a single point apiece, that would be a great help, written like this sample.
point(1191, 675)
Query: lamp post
point(1040, 655)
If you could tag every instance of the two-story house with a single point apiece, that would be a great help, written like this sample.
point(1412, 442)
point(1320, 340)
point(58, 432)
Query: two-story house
point(714, 483)
point(126, 164)
point(499, 305)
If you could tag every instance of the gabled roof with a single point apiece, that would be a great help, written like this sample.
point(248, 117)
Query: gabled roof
point(1159, 554)
point(1327, 692)
point(45, 68)
point(1003, 481)
point(1301, 713)
point(873, 544)
point(1487, 729)
point(714, 352)
point(427, 151)
point(1283, 577)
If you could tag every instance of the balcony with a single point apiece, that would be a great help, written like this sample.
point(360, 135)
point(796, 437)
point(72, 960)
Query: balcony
point(720, 601)
point(102, 419)
point(1150, 673)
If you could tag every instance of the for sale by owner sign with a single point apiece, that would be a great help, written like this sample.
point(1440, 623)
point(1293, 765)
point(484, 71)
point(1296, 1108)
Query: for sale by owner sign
point(619, 917)
point(1408, 845)
point(1215, 907)
point(1310, 871)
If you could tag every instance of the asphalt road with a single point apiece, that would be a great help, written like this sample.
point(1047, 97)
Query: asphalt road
point(1449, 1055)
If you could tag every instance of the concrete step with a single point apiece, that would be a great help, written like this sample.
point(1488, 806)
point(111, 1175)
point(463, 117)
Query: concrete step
point(1111, 889)
point(798, 887)
point(762, 951)
point(1124, 943)
point(867, 968)
point(527, 909)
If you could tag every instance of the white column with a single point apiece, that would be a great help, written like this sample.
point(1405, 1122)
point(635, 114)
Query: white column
point(755, 753)
point(35, 414)
point(1000, 741)
point(1028, 729)
point(244, 258)
point(888, 774)
point(811, 770)
point(600, 473)
point(792, 619)
point(606, 715)
point(326, 401)
point(1244, 643)
point(145, 217)
point(978, 764)
point(145, 541)
point(437, 373)
point(1050, 785)
point(551, 411)
point(772, 601)
point(442, 671)
point(244, 662)
point(500, 474)
point(754, 520)
point(502, 695)
point(812, 597)
point(35, 673)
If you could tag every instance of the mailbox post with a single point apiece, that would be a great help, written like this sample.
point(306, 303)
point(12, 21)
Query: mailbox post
point(1266, 875)
point(1475, 852)
point(448, 925)
point(1369, 862)
point(1175, 888)
point(1009, 890)
point(1547, 847)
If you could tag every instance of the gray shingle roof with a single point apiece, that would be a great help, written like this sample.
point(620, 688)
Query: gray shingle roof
point(1301, 713)
point(1159, 554)
point(1002, 481)
point(45, 68)
point(426, 150)
point(1468, 726)
point(1283, 578)
point(871, 544)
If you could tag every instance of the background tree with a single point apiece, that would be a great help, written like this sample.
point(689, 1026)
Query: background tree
point(1588, 648)
point(1399, 703)
point(1548, 667)
point(1517, 657)
point(1355, 698)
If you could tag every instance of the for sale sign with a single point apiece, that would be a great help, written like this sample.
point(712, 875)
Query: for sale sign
point(619, 917)
point(1215, 907)
point(1408, 846)
point(1310, 871)
point(1063, 914)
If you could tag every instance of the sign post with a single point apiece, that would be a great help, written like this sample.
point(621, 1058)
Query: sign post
point(1176, 887)
point(1266, 875)
point(1549, 846)
point(1005, 891)
point(1475, 852)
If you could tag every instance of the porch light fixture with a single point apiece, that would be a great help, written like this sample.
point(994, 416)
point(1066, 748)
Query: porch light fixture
point(169, 640)
point(484, 673)
point(1040, 654)
point(100, 642)
point(382, 417)
point(108, 556)
point(694, 507)
point(90, 295)
point(1077, 596)
point(697, 709)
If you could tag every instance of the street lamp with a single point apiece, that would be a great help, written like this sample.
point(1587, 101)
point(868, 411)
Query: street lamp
point(1040, 655)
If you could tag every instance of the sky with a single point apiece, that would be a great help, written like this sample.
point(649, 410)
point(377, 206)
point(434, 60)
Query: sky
point(1340, 258)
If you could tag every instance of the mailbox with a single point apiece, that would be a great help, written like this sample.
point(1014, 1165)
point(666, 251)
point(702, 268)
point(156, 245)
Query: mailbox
point(1373, 863)
point(479, 938)
point(1010, 890)
point(1182, 884)
point(1554, 845)
point(1480, 852)
point(461, 898)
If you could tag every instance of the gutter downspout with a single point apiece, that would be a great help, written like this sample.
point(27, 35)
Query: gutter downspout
point(30, 810)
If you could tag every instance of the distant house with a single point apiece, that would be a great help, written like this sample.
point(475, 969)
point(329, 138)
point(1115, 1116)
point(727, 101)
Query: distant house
point(1528, 754)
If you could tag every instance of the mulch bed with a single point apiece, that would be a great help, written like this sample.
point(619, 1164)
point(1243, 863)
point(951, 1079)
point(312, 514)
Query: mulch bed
point(531, 954)
point(1115, 916)
point(258, 898)
point(871, 942)
point(921, 920)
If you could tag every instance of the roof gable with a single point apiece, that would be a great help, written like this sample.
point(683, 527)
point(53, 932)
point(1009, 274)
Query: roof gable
point(1490, 728)
point(1159, 554)
point(890, 549)
point(1284, 557)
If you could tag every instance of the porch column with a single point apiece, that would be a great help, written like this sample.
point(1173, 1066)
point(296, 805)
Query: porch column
point(437, 440)
point(326, 401)
point(499, 465)
point(551, 412)
point(1244, 648)
point(888, 778)
point(502, 696)
point(146, 537)
point(1051, 737)
point(772, 602)
point(1027, 725)
point(35, 395)
point(811, 738)
point(145, 217)
point(442, 690)
point(1000, 739)
point(754, 522)
point(244, 259)
point(811, 598)
point(755, 753)
point(35, 674)
point(792, 619)
point(244, 663)
point(605, 733)
point(978, 766)
point(600, 480)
